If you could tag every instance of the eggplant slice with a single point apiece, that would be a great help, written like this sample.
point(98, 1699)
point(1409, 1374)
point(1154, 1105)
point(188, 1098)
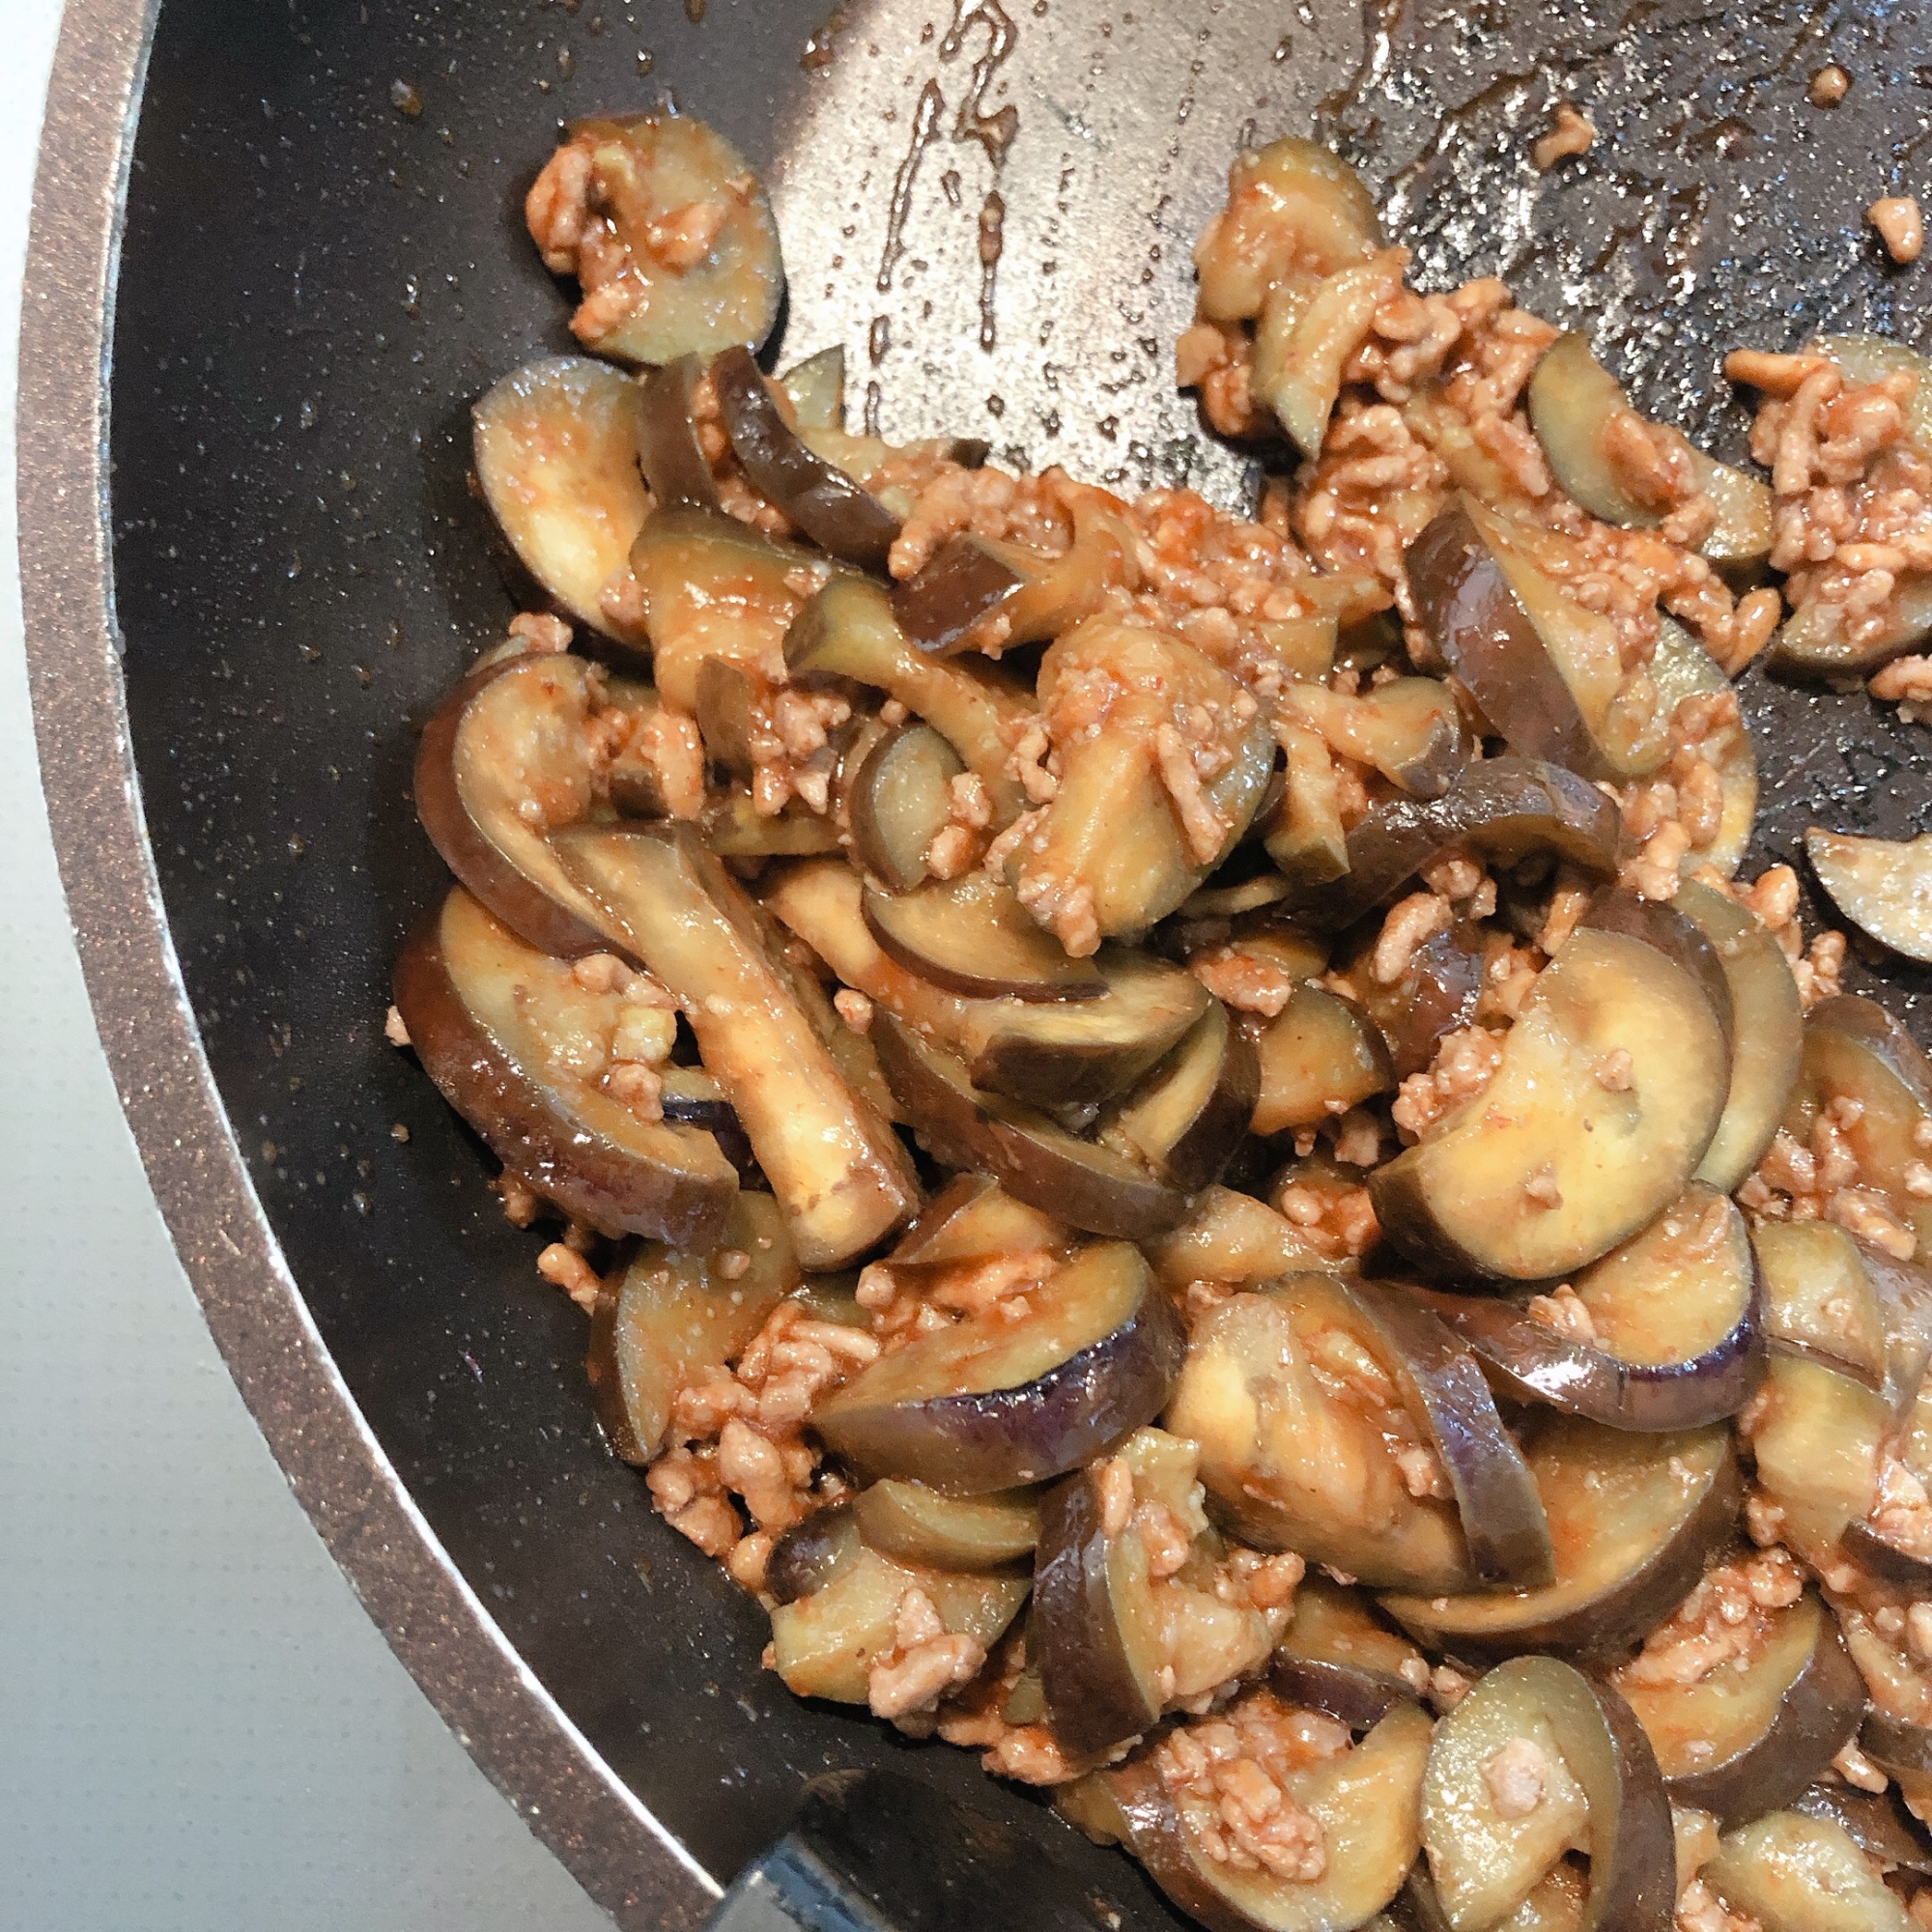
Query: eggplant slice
point(822, 501)
point(1298, 1409)
point(554, 447)
point(1794, 1873)
point(511, 1039)
point(765, 1032)
point(993, 1402)
point(1882, 886)
point(1634, 1519)
point(675, 1318)
point(504, 761)
point(1678, 1322)
point(1336, 1658)
point(1749, 1737)
point(1612, 1085)
point(1366, 1802)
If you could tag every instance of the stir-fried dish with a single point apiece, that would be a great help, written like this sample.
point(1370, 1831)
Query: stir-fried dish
point(1185, 1149)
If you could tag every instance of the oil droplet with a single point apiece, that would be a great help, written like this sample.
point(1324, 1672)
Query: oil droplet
point(993, 239)
point(646, 60)
point(879, 338)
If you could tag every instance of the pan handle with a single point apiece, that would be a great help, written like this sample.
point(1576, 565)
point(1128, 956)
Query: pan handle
point(873, 1850)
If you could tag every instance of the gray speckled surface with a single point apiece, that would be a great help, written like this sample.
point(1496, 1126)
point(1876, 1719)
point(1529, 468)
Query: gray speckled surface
point(199, 1727)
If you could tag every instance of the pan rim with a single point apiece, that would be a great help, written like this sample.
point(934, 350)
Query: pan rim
point(628, 1862)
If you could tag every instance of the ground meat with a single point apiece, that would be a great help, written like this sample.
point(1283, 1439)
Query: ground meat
point(1336, 1220)
point(1823, 1181)
point(1572, 134)
point(1728, 1617)
point(1517, 1774)
point(1243, 981)
point(1701, 1909)
point(1564, 1311)
point(1829, 85)
point(1896, 219)
point(1240, 1764)
point(924, 1663)
point(1465, 1063)
point(1411, 923)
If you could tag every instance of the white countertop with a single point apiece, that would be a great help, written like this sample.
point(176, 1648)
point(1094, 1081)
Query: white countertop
point(199, 1727)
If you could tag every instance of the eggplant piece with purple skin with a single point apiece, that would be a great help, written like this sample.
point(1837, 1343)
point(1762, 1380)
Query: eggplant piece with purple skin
point(1634, 1520)
point(1598, 1776)
point(972, 936)
point(917, 1524)
point(504, 758)
point(1189, 1114)
point(1051, 1053)
point(827, 1638)
point(1365, 1802)
point(1816, 1432)
point(674, 1319)
point(1680, 1334)
point(1087, 1185)
point(812, 1552)
point(1792, 1873)
point(1572, 400)
point(1882, 886)
point(719, 284)
point(1746, 1740)
point(1877, 1822)
point(1546, 672)
point(1096, 1632)
point(964, 581)
point(1856, 1050)
point(992, 1403)
point(554, 451)
point(973, 1218)
point(1229, 1236)
point(1288, 1462)
point(849, 631)
point(900, 800)
point(1504, 1526)
point(1503, 810)
point(766, 1033)
point(669, 450)
point(1336, 1659)
point(1435, 995)
point(1767, 1033)
point(1612, 1085)
point(517, 1048)
point(821, 500)
point(693, 1098)
point(1321, 1053)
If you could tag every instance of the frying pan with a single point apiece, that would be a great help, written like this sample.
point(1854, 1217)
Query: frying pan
point(264, 290)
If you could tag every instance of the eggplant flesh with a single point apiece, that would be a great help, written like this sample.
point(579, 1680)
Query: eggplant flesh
point(1853, 1049)
point(1336, 1658)
point(1503, 809)
point(972, 936)
point(518, 1048)
point(1748, 1739)
point(502, 761)
point(1766, 1033)
point(1085, 1183)
point(1634, 1519)
point(1878, 1823)
point(1547, 672)
point(1485, 1859)
point(991, 1402)
point(764, 1031)
point(821, 500)
point(1558, 1158)
point(917, 1524)
point(901, 800)
point(1320, 1056)
point(1190, 1113)
point(1291, 1398)
point(668, 449)
point(1793, 1873)
point(554, 447)
point(653, 173)
point(1365, 1801)
point(1882, 886)
point(1598, 1776)
point(1504, 1525)
point(1679, 1330)
point(674, 1319)
point(1815, 1434)
point(1050, 1053)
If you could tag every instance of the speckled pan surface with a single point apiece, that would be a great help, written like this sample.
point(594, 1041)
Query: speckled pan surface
point(313, 284)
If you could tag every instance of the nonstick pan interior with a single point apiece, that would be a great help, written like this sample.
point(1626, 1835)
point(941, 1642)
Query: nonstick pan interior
point(317, 281)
